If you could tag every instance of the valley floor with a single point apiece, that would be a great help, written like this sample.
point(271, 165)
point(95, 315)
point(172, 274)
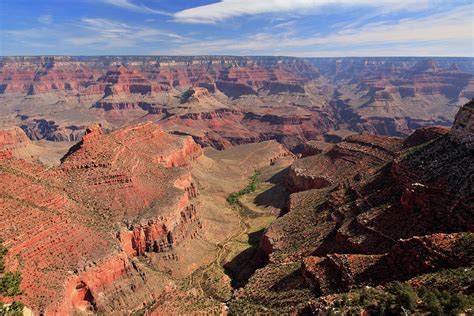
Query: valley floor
point(213, 285)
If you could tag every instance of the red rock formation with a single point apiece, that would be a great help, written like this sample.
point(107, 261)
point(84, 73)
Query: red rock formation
point(424, 135)
point(12, 136)
point(408, 258)
point(357, 153)
point(36, 75)
point(59, 223)
point(123, 81)
point(387, 214)
point(315, 147)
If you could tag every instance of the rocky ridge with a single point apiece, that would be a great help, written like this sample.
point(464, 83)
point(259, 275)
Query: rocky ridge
point(369, 211)
point(282, 98)
point(76, 259)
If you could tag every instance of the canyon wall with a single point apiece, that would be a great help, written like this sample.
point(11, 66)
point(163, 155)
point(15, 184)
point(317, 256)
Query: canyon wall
point(282, 98)
point(75, 232)
point(369, 211)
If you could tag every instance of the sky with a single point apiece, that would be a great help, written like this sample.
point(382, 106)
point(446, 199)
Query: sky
point(306, 28)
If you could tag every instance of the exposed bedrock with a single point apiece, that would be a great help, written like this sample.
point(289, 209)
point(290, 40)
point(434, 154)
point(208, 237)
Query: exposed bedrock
point(392, 210)
point(38, 129)
point(345, 159)
point(408, 258)
point(115, 198)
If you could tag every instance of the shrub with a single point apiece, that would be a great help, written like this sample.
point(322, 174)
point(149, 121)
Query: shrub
point(10, 284)
point(3, 253)
point(233, 198)
point(14, 309)
point(465, 247)
point(406, 295)
point(433, 304)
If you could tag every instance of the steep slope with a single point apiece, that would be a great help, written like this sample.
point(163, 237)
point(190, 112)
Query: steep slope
point(281, 98)
point(394, 96)
point(15, 140)
point(93, 214)
point(365, 213)
point(125, 218)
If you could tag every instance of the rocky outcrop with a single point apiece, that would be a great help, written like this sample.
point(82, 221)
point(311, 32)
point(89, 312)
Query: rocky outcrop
point(346, 159)
point(195, 94)
point(392, 210)
point(314, 147)
point(120, 80)
point(12, 137)
point(408, 258)
point(97, 212)
point(38, 129)
point(424, 135)
point(462, 131)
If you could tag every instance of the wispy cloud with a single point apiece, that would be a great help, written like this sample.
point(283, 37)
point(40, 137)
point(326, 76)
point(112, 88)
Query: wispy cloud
point(225, 9)
point(296, 27)
point(45, 19)
point(92, 35)
point(443, 32)
point(128, 5)
point(112, 34)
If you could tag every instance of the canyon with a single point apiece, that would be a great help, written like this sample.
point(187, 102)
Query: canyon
point(349, 177)
point(223, 101)
point(369, 211)
point(124, 218)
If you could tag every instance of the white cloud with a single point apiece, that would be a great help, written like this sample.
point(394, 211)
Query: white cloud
point(427, 49)
point(128, 5)
point(45, 19)
point(447, 33)
point(108, 34)
point(90, 35)
point(225, 9)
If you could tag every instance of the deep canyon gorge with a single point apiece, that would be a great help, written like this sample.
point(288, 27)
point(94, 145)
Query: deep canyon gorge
point(148, 185)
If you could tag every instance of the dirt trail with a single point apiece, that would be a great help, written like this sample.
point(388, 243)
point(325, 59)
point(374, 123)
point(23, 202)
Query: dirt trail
point(221, 251)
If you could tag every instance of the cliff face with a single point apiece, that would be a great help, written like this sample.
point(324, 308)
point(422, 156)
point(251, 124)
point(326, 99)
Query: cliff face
point(393, 96)
point(463, 128)
point(286, 99)
point(13, 136)
point(408, 258)
point(108, 76)
point(371, 210)
point(74, 230)
point(36, 75)
point(356, 153)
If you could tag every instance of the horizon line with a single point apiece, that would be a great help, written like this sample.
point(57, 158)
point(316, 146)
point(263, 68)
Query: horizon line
point(229, 55)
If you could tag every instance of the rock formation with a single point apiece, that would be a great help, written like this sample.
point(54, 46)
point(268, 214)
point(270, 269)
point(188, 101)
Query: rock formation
point(290, 100)
point(463, 128)
point(73, 231)
point(369, 211)
point(121, 222)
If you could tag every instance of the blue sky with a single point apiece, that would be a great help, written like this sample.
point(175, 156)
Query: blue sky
point(237, 27)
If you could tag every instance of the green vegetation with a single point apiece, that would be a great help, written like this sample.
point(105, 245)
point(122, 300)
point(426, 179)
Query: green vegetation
point(465, 246)
point(10, 284)
point(399, 298)
point(9, 281)
point(233, 198)
point(3, 253)
point(415, 149)
point(13, 309)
